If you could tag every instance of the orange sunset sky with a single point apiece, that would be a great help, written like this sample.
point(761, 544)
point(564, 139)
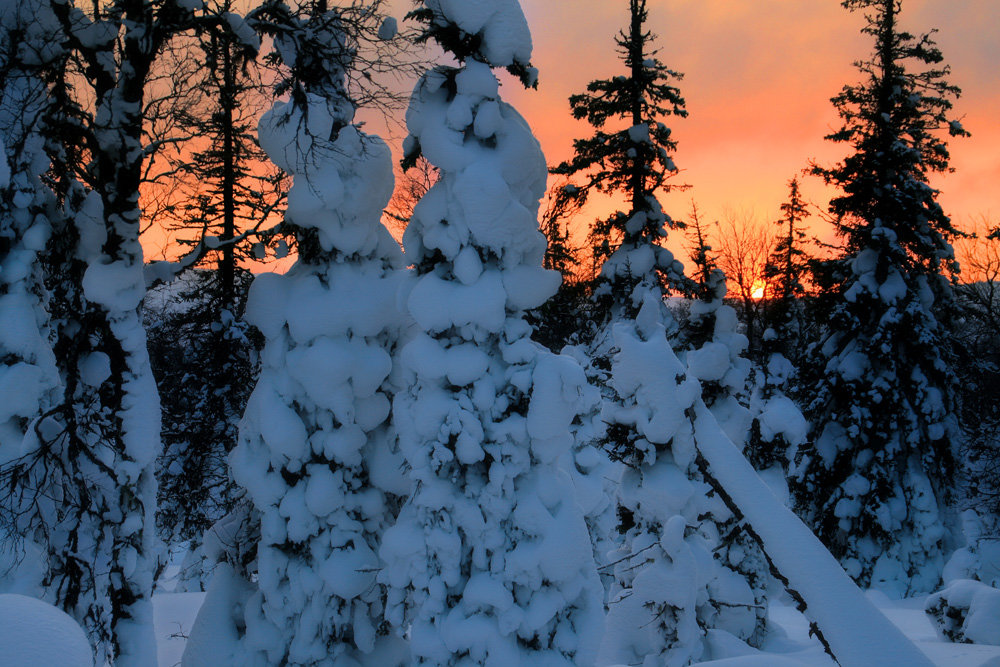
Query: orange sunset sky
point(758, 78)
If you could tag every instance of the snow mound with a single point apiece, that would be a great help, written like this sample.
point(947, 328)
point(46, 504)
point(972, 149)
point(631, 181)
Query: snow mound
point(34, 633)
point(966, 611)
point(214, 637)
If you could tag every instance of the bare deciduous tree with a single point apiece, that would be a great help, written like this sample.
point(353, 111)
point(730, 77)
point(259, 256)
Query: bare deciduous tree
point(744, 242)
point(979, 256)
point(978, 346)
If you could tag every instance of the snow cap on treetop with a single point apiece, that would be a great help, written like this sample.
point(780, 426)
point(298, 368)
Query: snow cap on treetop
point(492, 31)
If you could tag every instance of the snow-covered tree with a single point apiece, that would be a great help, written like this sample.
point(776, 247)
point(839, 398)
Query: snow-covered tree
point(29, 380)
point(778, 425)
point(315, 449)
point(785, 271)
point(715, 347)
point(751, 413)
point(85, 475)
point(875, 484)
point(664, 491)
point(634, 160)
point(629, 154)
point(686, 564)
point(489, 561)
point(677, 571)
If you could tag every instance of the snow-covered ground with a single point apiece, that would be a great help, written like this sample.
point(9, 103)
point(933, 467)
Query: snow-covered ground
point(789, 643)
point(173, 615)
point(34, 633)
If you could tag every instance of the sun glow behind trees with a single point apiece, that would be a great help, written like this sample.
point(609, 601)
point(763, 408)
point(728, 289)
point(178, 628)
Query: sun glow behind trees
point(758, 79)
point(748, 132)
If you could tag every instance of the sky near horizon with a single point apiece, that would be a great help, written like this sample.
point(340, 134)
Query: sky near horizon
point(758, 78)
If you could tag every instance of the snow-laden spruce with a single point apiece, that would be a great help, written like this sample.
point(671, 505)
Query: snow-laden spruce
point(778, 426)
point(489, 561)
point(714, 356)
point(629, 152)
point(315, 425)
point(682, 566)
point(314, 439)
point(877, 482)
point(681, 569)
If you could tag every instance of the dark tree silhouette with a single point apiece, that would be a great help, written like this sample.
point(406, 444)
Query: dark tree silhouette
point(875, 483)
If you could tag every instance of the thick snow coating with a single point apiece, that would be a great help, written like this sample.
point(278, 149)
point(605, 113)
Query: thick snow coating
point(490, 560)
point(506, 39)
point(595, 475)
point(28, 375)
point(34, 633)
point(314, 443)
point(679, 571)
point(716, 361)
point(789, 642)
point(856, 632)
point(966, 611)
point(96, 541)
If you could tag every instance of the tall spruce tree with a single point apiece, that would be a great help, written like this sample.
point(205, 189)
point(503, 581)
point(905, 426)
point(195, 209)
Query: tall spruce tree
point(875, 484)
point(674, 575)
point(787, 267)
point(701, 256)
point(632, 160)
